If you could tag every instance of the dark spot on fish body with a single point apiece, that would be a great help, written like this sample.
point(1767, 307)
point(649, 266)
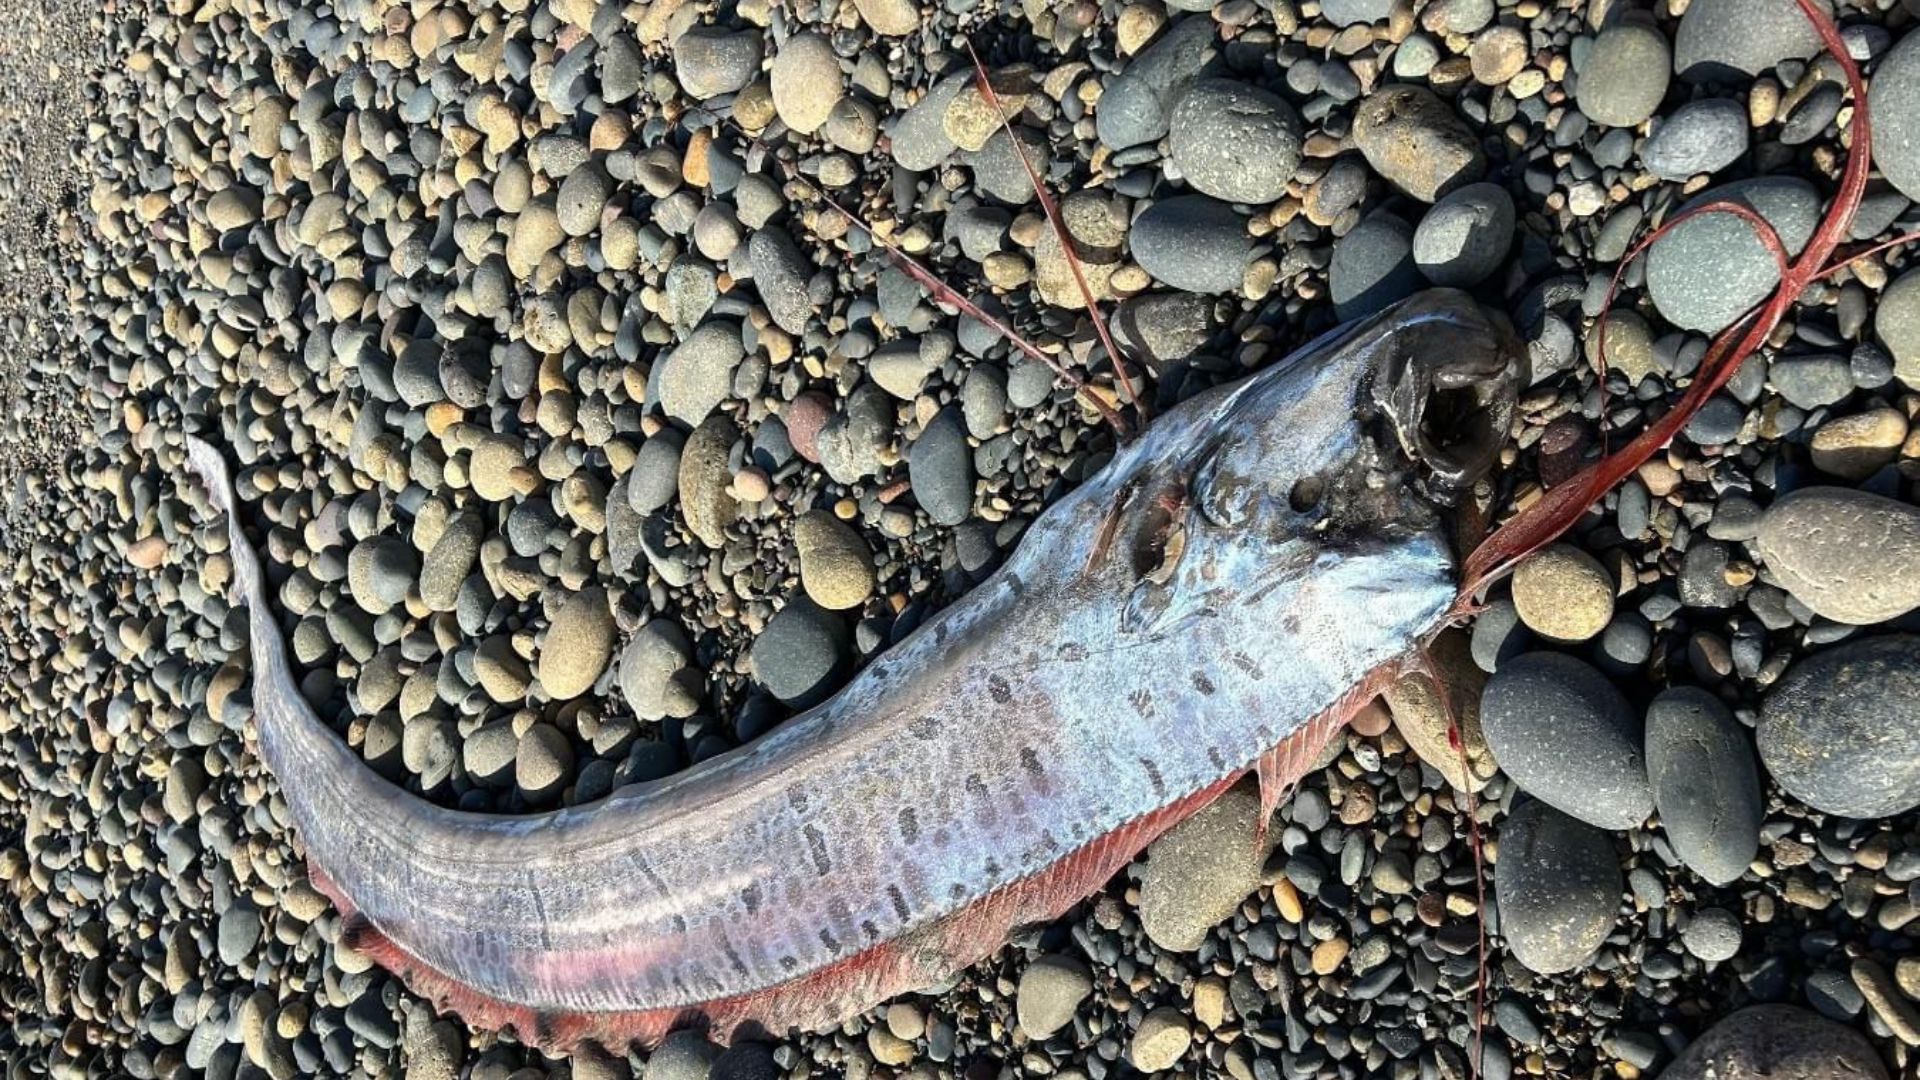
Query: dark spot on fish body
point(925, 728)
point(989, 810)
point(871, 931)
point(957, 891)
point(941, 838)
point(817, 845)
point(899, 899)
point(998, 690)
point(1030, 763)
point(1247, 664)
point(1154, 778)
point(789, 963)
point(733, 958)
point(750, 898)
point(1142, 702)
point(1216, 759)
point(797, 798)
point(1203, 684)
point(993, 868)
point(909, 825)
point(1073, 652)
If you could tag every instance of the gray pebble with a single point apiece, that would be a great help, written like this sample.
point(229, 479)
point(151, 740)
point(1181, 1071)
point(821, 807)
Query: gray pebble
point(799, 653)
point(1712, 934)
point(1810, 382)
point(780, 273)
point(1840, 731)
point(1192, 242)
point(1137, 106)
point(1897, 322)
point(1235, 142)
point(710, 61)
point(1465, 237)
point(698, 374)
point(1702, 136)
point(1704, 783)
point(655, 477)
point(918, 137)
point(1049, 993)
point(1348, 12)
point(1777, 1042)
point(1625, 74)
point(1851, 556)
point(1373, 266)
point(1558, 886)
point(940, 469)
point(1728, 41)
point(1893, 98)
point(1710, 269)
point(1565, 735)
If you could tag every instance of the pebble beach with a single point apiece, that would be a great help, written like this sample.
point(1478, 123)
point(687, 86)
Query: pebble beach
point(588, 430)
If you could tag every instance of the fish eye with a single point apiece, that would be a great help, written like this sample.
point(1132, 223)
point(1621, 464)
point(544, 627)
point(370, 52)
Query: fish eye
point(1306, 493)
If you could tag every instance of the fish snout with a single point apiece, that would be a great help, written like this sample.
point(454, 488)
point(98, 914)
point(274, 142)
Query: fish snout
point(1448, 381)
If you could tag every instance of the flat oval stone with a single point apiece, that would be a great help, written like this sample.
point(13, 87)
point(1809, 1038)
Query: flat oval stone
point(1851, 556)
point(1708, 270)
point(1558, 886)
point(1705, 784)
point(1192, 242)
point(1893, 102)
point(1840, 731)
point(1777, 1042)
point(1564, 734)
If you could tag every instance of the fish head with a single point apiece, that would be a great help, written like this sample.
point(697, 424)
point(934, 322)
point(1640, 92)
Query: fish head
point(1325, 478)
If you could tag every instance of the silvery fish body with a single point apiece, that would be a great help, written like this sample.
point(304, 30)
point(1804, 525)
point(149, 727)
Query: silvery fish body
point(1216, 596)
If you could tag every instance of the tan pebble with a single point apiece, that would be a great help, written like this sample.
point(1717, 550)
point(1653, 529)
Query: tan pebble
point(1328, 955)
point(1372, 720)
point(1898, 1014)
point(1497, 55)
point(1137, 25)
point(1660, 478)
point(1287, 899)
point(1161, 1040)
point(1855, 447)
point(751, 484)
point(1210, 1001)
point(148, 553)
point(1423, 717)
point(1563, 593)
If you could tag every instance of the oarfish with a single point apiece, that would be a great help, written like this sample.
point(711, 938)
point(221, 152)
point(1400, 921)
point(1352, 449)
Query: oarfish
point(1215, 601)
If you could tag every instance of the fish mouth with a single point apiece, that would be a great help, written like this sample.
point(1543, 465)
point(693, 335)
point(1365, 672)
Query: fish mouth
point(1448, 388)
